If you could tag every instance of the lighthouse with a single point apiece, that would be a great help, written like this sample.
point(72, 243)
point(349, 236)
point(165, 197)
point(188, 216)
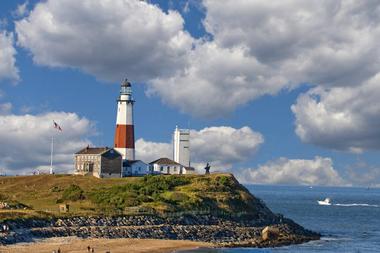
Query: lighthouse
point(181, 146)
point(125, 134)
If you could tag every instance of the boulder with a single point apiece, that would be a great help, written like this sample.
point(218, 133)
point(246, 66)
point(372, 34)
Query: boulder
point(269, 233)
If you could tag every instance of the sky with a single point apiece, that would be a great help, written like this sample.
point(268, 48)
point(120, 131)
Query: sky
point(276, 92)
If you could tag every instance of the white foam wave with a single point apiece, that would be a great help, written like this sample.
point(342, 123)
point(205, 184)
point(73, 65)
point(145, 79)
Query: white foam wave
point(355, 204)
point(331, 238)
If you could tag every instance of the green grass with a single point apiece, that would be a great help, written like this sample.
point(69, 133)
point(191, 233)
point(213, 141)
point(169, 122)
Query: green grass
point(153, 194)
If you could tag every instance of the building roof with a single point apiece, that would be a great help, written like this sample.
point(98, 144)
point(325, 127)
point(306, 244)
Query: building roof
point(189, 168)
point(131, 162)
point(164, 161)
point(92, 151)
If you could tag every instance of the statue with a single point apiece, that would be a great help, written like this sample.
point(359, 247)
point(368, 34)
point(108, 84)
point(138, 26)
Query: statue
point(207, 169)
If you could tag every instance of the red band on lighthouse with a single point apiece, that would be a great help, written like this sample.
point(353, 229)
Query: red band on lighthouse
point(124, 136)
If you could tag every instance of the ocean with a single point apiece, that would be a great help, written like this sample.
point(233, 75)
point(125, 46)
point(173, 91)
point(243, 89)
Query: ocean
point(350, 224)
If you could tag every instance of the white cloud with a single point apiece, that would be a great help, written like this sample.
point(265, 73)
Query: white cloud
point(21, 10)
point(3, 23)
point(320, 42)
point(256, 47)
point(216, 81)
point(329, 44)
point(8, 69)
point(25, 141)
point(262, 47)
point(5, 108)
point(224, 146)
point(363, 174)
point(319, 171)
point(149, 151)
point(186, 7)
point(221, 146)
point(340, 118)
point(109, 39)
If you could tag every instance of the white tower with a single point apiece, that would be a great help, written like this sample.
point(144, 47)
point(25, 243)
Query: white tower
point(124, 134)
point(181, 142)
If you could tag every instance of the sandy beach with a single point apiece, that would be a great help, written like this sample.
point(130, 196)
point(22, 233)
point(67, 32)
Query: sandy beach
point(77, 245)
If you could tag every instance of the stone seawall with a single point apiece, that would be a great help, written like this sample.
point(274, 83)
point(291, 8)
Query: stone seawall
point(220, 231)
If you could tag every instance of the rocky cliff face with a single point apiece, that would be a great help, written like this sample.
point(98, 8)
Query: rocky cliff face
point(220, 231)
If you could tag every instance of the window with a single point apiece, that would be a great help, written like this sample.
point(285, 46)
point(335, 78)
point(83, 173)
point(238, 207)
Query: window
point(175, 168)
point(162, 168)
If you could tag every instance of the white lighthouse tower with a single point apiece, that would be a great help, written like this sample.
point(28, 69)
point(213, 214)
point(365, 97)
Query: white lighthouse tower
point(125, 134)
point(181, 144)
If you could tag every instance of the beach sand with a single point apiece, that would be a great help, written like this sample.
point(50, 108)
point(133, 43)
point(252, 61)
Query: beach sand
point(77, 245)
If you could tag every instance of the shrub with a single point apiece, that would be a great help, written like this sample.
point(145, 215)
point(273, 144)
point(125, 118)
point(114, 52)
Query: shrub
point(56, 189)
point(131, 202)
point(175, 197)
point(146, 190)
point(225, 181)
point(164, 183)
point(144, 198)
point(3, 197)
point(73, 193)
point(59, 201)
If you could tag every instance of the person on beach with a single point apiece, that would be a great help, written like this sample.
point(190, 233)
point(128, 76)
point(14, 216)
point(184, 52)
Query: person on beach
point(88, 248)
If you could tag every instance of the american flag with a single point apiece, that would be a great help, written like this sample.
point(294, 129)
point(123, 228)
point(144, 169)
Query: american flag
point(56, 126)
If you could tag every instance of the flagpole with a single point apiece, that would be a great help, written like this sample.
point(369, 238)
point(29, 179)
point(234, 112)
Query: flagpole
point(58, 127)
point(51, 154)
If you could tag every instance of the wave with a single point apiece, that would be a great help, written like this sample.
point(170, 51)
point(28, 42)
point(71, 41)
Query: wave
point(355, 204)
point(330, 238)
point(327, 202)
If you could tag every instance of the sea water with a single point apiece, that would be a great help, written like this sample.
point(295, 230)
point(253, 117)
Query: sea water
point(350, 224)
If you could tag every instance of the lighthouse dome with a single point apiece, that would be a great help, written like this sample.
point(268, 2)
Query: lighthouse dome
point(126, 83)
point(126, 88)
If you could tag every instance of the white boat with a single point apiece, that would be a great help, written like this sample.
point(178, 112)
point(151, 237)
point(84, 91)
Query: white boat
point(326, 202)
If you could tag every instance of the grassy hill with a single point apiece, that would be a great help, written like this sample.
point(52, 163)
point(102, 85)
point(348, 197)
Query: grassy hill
point(40, 196)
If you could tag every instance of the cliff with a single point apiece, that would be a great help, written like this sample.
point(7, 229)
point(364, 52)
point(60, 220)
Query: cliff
point(213, 208)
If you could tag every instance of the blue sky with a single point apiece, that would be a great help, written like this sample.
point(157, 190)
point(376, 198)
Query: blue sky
point(44, 87)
